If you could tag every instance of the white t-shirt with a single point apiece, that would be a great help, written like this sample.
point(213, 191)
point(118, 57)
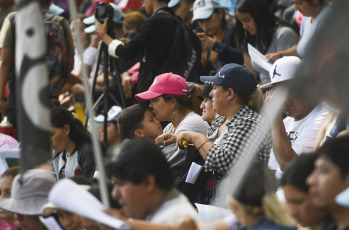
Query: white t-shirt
point(192, 122)
point(173, 210)
point(89, 55)
point(302, 134)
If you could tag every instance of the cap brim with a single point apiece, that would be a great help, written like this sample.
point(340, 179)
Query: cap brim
point(211, 80)
point(90, 29)
point(268, 85)
point(100, 119)
point(202, 14)
point(89, 20)
point(48, 208)
point(54, 9)
point(31, 207)
point(343, 198)
point(147, 95)
point(271, 84)
point(173, 3)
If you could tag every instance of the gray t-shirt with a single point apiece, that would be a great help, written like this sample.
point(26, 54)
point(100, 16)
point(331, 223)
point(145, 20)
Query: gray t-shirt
point(308, 29)
point(283, 38)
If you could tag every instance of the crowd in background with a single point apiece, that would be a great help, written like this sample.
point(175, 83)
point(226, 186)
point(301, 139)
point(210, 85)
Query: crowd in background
point(183, 110)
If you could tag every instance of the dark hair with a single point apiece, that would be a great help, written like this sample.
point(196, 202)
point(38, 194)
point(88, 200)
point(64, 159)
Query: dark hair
point(167, 1)
point(298, 170)
point(192, 101)
point(45, 4)
point(78, 133)
point(11, 172)
point(94, 190)
point(138, 159)
point(131, 119)
point(336, 150)
point(266, 23)
point(257, 182)
point(320, 1)
point(81, 180)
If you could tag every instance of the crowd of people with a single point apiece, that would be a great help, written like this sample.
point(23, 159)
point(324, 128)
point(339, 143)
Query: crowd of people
point(183, 110)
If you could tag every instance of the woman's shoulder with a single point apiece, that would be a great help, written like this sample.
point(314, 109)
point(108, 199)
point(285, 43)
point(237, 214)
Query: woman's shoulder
point(285, 30)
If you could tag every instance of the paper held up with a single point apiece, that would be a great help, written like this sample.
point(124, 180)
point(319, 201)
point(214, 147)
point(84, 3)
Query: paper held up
point(71, 197)
point(258, 58)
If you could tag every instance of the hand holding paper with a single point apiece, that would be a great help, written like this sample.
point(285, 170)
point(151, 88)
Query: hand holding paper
point(258, 58)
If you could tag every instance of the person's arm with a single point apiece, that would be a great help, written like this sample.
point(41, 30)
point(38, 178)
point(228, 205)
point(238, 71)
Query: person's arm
point(281, 143)
point(6, 57)
point(86, 161)
point(201, 142)
point(272, 57)
point(226, 52)
point(186, 223)
point(143, 38)
point(322, 133)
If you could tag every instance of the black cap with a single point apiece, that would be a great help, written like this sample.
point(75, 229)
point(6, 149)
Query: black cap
point(205, 93)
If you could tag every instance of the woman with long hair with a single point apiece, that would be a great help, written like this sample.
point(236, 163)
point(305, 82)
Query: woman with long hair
point(257, 25)
point(72, 145)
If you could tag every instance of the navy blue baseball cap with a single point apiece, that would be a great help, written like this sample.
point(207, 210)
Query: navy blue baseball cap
point(234, 76)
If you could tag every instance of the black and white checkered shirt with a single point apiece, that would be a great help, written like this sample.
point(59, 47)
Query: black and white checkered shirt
point(241, 127)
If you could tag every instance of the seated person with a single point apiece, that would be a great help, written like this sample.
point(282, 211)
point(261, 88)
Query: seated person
point(28, 194)
point(172, 100)
point(297, 194)
point(330, 177)
point(143, 185)
point(114, 137)
point(138, 121)
point(234, 95)
point(297, 133)
point(72, 145)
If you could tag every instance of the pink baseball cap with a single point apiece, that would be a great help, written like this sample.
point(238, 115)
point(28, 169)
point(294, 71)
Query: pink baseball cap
point(166, 83)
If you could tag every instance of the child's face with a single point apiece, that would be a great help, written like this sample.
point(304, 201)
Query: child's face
point(151, 126)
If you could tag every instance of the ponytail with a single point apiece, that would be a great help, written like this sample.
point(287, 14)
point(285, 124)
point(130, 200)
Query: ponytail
point(272, 208)
point(275, 210)
point(254, 101)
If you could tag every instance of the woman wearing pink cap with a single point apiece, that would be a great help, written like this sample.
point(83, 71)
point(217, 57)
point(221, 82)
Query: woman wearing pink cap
point(170, 100)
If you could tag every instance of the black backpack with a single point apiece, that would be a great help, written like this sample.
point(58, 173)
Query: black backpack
point(186, 48)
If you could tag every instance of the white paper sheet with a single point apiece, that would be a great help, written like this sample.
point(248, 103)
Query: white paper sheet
point(69, 196)
point(209, 213)
point(50, 223)
point(258, 58)
point(193, 173)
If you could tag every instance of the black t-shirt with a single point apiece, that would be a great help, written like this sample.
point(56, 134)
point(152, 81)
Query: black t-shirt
point(154, 41)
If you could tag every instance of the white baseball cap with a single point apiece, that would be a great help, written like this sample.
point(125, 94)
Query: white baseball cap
point(204, 8)
point(343, 198)
point(283, 69)
point(113, 114)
